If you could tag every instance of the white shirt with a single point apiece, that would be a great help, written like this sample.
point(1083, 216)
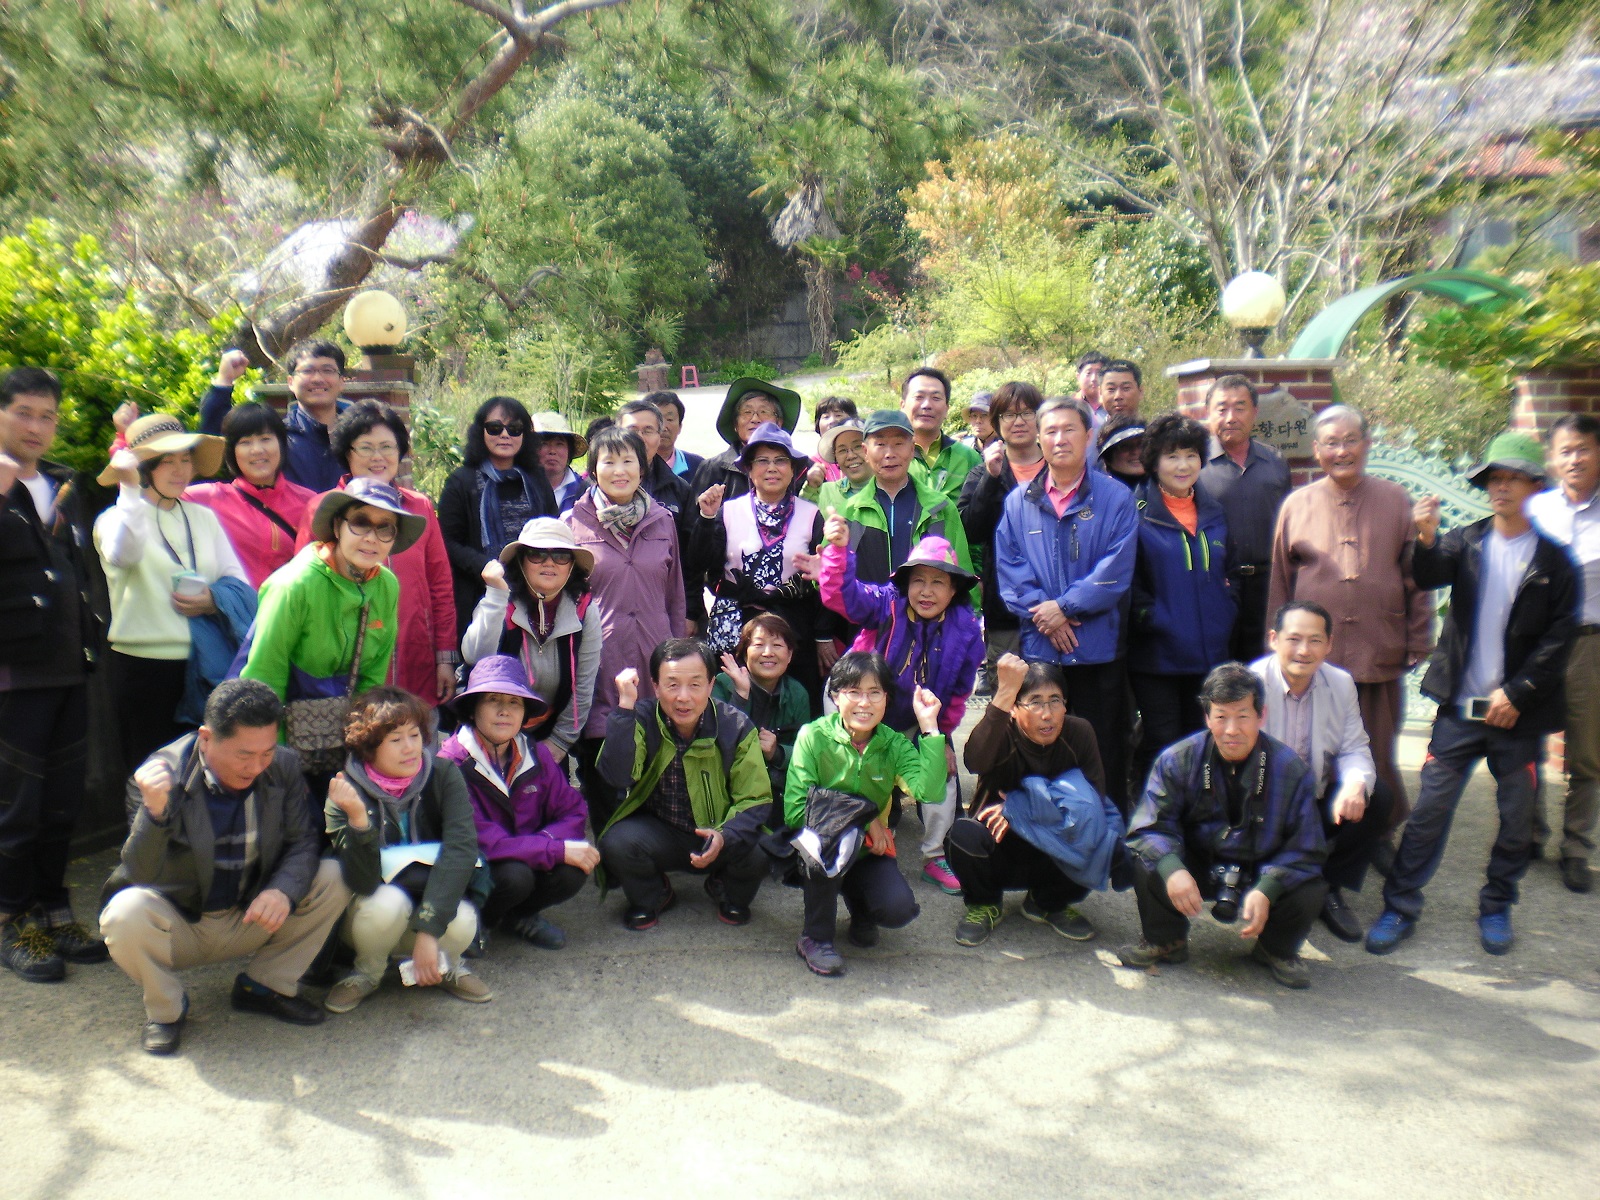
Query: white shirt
point(43, 490)
point(1577, 527)
point(1505, 562)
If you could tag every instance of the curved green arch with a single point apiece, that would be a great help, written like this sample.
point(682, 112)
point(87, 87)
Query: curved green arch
point(1325, 336)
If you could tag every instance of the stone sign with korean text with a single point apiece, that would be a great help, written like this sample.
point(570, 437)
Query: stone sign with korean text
point(1284, 423)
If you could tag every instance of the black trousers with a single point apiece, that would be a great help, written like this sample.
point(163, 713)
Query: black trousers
point(43, 753)
point(520, 891)
point(599, 795)
point(1288, 920)
point(988, 869)
point(1098, 692)
point(639, 850)
point(149, 691)
point(1169, 707)
point(874, 891)
point(1350, 844)
point(1249, 639)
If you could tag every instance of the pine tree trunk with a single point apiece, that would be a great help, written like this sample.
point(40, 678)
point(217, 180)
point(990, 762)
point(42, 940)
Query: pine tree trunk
point(819, 308)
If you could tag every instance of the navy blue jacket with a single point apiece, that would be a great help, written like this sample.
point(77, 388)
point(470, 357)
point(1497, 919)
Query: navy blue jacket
point(1179, 817)
point(311, 463)
point(1182, 608)
point(1083, 561)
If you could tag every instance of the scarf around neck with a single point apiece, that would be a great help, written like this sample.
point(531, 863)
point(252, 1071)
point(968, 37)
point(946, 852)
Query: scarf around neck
point(490, 533)
point(621, 519)
point(772, 519)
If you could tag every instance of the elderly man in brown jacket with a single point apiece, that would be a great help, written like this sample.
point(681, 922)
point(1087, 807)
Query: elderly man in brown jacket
point(1345, 542)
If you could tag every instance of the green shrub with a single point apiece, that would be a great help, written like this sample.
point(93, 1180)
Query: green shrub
point(734, 368)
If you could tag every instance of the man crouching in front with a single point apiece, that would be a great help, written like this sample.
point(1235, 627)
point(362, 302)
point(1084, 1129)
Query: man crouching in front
point(1229, 815)
point(221, 862)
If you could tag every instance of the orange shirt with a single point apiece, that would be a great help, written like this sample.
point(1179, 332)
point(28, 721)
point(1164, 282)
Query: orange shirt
point(1026, 475)
point(1183, 511)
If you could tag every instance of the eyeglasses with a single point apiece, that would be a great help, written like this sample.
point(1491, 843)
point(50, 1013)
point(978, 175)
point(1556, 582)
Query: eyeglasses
point(1026, 414)
point(860, 697)
point(381, 450)
point(1043, 706)
point(560, 557)
point(318, 372)
point(1349, 443)
point(767, 460)
point(385, 533)
point(501, 428)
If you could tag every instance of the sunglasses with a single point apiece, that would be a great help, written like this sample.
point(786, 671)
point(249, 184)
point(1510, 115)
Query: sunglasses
point(499, 428)
point(384, 533)
point(560, 557)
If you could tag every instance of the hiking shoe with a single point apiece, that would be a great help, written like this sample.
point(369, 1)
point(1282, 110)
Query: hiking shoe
point(640, 919)
point(349, 992)
point(821, 957)
point(1146, 955)
point(1575, 875)
point(1341, 922)
point(74, 943)
point(163, 1037)
point(1290, 972)
point(1068, 922)
point(938, 872)
point(31, 953)
point(250, 996)
point(464, 985)
point(863, 933)
point(975, 927)
point(1494, 931)
point(1388, 931)
point(539, 932)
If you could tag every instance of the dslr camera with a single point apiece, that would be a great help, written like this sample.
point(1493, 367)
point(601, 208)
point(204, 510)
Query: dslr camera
point(1232, 882)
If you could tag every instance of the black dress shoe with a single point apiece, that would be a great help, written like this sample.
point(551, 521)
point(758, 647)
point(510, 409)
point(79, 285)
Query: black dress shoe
point(163, 1037)
point(1341, 922)
point(640, 919)
point(285, 1008)
point(1575, 874)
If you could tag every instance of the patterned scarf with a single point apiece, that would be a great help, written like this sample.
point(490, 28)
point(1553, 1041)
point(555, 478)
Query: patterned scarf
point(772, 519)
point(490, 534)
point(621, 519)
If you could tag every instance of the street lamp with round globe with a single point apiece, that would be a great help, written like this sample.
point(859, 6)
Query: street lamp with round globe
point(375, 321)
point(1252, 303)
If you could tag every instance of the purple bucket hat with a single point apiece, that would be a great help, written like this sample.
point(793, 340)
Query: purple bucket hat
point(374, 493)
point(503, 674)
point(936, 552)
point(769, 433)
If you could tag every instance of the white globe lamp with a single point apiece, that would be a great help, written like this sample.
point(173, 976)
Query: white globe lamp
point(1252, 303)
point(375, 321)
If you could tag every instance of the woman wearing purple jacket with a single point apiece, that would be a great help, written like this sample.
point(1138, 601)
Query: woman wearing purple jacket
point(530, 819)
point(928, 634)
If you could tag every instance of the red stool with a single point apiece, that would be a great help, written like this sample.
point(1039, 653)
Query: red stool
point(689, 377)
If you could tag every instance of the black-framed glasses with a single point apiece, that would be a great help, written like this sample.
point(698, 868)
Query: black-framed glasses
point(500, 428)
point(560, 557)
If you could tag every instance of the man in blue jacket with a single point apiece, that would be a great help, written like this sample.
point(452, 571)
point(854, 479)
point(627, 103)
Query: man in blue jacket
point(1064, 559)
point(1229, 815)
point(316, 380)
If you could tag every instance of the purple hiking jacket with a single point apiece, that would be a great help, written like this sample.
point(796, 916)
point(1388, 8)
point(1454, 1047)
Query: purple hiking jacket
point(539, 815)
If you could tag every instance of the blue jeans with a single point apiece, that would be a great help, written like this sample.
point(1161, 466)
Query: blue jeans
point(1453, 753)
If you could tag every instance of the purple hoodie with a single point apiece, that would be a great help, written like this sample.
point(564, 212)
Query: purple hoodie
point(532, 822)
point(943, 655)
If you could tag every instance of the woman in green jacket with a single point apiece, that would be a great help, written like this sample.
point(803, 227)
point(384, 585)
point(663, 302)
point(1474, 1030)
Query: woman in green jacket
point(852, 751)
point(755, 680)
point(311, 609)
point(402, 829)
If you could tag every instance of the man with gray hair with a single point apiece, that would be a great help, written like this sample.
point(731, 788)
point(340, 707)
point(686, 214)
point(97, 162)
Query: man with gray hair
point(1345, 542)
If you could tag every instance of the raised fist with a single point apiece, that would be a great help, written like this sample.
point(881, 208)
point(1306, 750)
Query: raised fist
point(234, 364)
point(711, 500)
point(627, 687)
point(494, 575)
point(835, 530)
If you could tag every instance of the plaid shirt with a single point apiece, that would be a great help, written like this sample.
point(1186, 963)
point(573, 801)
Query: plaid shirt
point(670, 800)
point(234, 841)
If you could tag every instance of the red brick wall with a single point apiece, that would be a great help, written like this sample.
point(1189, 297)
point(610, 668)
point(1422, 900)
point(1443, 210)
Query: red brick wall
point(1543, 396)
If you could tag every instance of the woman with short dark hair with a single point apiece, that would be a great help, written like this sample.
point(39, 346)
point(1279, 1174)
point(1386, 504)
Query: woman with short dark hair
point(1182, 609)
point(259, 508)
point(498, 489)
point(402, 829)
point(372, 442)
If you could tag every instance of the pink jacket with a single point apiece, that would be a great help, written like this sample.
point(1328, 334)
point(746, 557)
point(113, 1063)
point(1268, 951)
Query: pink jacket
point(261, 545)
point(427, 616)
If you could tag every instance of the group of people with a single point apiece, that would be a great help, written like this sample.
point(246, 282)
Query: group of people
point(756, 664)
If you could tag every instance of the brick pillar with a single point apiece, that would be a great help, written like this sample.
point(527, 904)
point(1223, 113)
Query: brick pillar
point(1308, 380)
point(387, 377)
point(654, 373)
point(1545, 395)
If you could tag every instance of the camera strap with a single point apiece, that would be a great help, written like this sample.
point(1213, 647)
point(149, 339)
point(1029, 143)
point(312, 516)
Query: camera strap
point(1217, 781)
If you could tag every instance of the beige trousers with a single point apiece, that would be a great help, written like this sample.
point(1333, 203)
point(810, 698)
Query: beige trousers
point(152, 941)
point(377, 927)
point(1582, 753)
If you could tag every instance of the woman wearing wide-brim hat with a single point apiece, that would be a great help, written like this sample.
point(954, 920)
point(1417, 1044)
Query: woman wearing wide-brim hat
point(312, 609)
point(750, 402)
point(164, 557)
point(536, 608)
point(558, 448)
point(747, 546)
